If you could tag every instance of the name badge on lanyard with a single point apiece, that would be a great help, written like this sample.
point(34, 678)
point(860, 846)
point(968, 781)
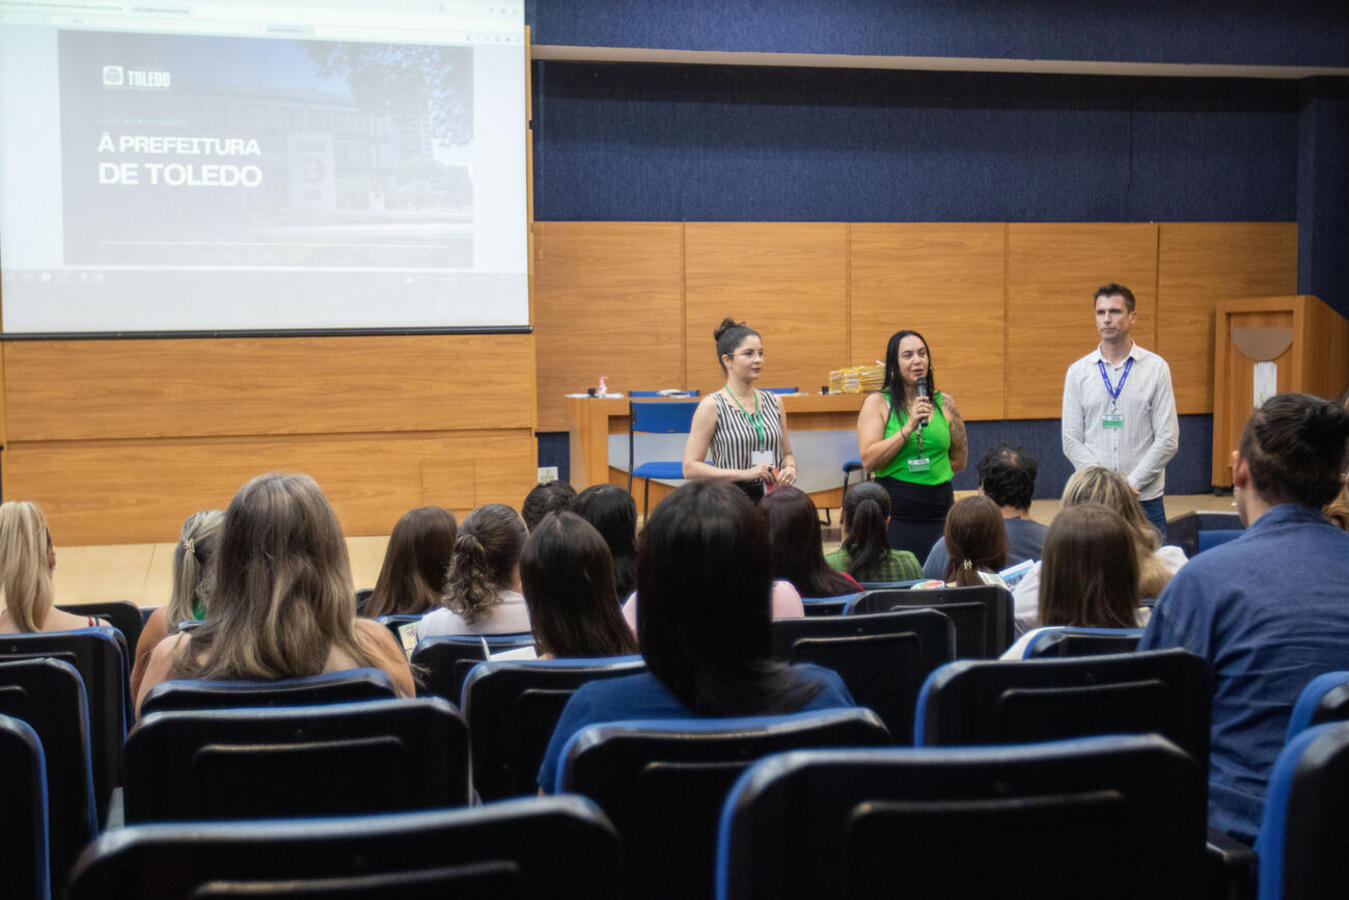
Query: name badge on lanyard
point(762, 458)
point(1114, 418)
point(921, 464)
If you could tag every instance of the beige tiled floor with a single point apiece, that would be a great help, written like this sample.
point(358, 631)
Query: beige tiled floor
point(141, 573)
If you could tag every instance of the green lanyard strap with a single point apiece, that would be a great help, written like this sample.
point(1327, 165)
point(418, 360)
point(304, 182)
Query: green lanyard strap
point(754, 419)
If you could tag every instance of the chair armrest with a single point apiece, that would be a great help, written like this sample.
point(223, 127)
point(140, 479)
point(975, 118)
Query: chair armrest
point(1229, 867)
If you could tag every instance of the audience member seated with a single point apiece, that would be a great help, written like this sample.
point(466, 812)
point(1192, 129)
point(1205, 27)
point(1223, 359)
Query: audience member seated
point(482, 594)
point(1269, 609)
point(798, 546)
point(865, 553)
point(1156, 564)
point(704, 572)
point(27, 559)
point(613, 512)
point(1007, 477)
point(977, 543)
point(546, 497)
point(415, 564)
point(283, 604)
point(567, 575)
point(193, 580)
point(1089, 578)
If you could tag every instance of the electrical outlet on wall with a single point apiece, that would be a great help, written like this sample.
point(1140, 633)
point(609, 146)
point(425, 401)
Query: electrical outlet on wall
point(547, 473)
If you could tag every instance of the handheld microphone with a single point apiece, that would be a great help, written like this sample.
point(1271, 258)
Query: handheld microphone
point(923, 392)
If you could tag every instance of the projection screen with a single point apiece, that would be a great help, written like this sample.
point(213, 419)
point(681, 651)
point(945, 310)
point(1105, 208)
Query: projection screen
point(257, 166)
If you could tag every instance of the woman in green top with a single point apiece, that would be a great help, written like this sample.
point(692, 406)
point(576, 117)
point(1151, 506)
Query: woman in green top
point(911, 437)
point(866, 553)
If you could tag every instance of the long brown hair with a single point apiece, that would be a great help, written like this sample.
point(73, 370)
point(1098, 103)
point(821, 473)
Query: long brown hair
point(283, 597)
point(25, 576)
point(1101, 485)
point(413, 574)
point(567, 574)
point(1089, 574)
point(976, 539)
point(798, 548)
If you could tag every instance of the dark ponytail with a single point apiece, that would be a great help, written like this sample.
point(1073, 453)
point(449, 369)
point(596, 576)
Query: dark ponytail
point(865, 510)
point(486, 552)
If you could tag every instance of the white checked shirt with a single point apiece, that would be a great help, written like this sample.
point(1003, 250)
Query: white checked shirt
point(1148, 439)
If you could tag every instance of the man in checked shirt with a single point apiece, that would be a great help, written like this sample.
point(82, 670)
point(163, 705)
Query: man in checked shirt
point(1119, 410)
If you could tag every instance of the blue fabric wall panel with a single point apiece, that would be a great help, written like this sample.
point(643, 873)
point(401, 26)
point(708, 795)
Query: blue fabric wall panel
point(1263, 32)
point(1323, 192)
point(694, 143)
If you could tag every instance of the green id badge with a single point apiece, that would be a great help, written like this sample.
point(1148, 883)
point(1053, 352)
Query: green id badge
point(920, 465)
point(1112, 420)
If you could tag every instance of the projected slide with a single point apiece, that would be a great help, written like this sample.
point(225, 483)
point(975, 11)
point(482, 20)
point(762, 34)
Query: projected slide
point(348, 155)
point(363, 171)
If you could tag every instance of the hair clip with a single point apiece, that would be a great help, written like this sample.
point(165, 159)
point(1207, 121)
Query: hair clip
point(967, 565)
point(190, 545)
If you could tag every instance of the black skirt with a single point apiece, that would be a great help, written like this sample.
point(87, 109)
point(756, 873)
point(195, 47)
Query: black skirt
point(917, 514)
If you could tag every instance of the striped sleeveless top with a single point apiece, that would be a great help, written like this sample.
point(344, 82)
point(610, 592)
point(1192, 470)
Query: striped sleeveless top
point(736, 437)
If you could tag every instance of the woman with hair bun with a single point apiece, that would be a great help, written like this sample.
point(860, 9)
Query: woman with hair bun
point(745, 428)
point(1269, 609)
point(283, 605)
point(482, 589)
point(865, 553)
point(193, 581)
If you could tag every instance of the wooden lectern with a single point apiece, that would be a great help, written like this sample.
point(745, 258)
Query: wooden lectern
point(1305, 340)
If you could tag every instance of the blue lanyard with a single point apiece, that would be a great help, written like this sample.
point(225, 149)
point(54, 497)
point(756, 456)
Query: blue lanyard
point(1114, 392)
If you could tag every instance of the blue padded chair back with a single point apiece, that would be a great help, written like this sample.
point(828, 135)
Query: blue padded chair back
point(1210, 539)
point(23, 810)
point(350, 686)
point(889, 585)
point(976, 702)
point(884, 658)
point(982, 615)
point(343, 759)
point(1121, 817)
point(781, 390)
point(49, 695)
point(652, 394)
point(1306, 817)
point(662, 416)
point(662, 782)
point(512, 708)
point(446, 660)
point(1324, 699)
point(97, 654)
point(1082, 642)
point(1183, 531)
point(394, 622)
point(539, 847)
point(828, 606)
point(125, 617)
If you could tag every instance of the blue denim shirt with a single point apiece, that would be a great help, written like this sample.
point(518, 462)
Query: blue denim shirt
point(1269, 611)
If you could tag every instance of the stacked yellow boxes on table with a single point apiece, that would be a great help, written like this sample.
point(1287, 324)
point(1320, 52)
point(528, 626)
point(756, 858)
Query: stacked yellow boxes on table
point(857, 379)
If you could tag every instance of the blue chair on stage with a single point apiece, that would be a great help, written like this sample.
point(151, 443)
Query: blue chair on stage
point(656, 417)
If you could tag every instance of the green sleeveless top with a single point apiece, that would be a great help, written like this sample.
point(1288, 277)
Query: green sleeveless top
point(936, 448)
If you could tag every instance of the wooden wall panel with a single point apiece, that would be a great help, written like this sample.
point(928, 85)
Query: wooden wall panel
point(944, 280)
point(69, 390)
point(97, 492)
point(1199, 263)
point(608, 300)
point(1052, 272)
point(787, 280)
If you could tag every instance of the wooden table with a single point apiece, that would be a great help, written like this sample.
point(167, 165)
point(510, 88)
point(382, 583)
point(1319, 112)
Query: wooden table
point(594, 419)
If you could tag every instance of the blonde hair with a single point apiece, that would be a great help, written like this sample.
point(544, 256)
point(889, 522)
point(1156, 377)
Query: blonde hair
point(25, 576)
point(193, 575)
point(283, 595)
point(1097, 484)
